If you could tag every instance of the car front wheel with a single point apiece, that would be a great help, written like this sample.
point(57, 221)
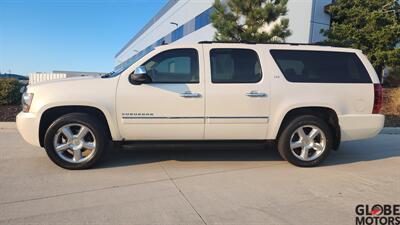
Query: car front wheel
point(76, 141)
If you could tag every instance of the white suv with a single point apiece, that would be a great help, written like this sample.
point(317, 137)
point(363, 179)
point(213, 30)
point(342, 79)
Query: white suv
point(306, 98)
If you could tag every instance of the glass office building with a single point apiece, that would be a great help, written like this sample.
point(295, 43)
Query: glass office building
point(188, 21)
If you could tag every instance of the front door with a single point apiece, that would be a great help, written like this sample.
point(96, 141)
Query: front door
point(171, 107)
point(237, 93)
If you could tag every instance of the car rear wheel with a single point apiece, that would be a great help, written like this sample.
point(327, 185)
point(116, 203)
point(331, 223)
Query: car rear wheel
point(305, 141)
point(76, 141)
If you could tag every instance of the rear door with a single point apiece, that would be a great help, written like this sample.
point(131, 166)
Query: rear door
point(237, 93)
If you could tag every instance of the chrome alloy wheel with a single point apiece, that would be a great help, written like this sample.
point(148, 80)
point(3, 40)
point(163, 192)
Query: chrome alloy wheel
point(75, 143)
point(308, 142)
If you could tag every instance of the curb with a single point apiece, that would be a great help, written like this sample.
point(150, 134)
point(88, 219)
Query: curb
point(390, 130)
point(8, 125)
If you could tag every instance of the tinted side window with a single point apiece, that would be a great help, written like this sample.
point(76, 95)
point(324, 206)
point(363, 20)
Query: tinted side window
point(174, 66)
point(321, 66)
point(235, 66)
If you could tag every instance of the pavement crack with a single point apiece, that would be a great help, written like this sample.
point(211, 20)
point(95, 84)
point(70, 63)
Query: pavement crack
point(226, 171)
point(183, 194)
point(81, 192)
point(130, 185)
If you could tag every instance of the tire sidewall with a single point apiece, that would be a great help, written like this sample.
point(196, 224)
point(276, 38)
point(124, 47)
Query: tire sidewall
point(81, 118)
point(284, 140)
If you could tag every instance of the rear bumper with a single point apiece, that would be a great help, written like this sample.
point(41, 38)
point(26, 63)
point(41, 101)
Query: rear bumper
point(360, 126)
point(28, 127)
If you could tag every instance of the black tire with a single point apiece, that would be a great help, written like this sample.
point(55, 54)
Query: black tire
point(95, 126)
point(289, 128)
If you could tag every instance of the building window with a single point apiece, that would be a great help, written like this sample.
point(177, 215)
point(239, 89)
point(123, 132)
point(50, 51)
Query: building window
point(177, 34)
point(203, 19)
point(148, 49)
point(160, 42)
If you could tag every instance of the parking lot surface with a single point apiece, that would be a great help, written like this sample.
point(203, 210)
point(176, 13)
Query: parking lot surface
point(186, 184)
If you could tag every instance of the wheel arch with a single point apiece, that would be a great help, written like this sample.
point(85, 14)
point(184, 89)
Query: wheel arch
point(326, 113)
point(51, 114)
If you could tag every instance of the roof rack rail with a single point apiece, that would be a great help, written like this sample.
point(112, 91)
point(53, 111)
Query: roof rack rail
point(228, 42)
point(251, 42)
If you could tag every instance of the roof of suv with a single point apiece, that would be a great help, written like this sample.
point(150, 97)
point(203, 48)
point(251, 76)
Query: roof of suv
point(254, 43)
point(292, 46)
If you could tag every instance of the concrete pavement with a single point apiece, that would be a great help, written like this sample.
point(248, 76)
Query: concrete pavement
point(229, 184)
point(7, 125)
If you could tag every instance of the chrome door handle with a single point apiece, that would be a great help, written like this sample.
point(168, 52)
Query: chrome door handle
point(256, 94)
point(189, 94)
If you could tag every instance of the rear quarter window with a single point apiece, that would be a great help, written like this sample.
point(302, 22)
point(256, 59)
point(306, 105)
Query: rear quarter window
point(320, 66)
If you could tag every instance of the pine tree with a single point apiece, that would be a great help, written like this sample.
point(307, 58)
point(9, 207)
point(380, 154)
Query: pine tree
point(370, 25)
point(251, 20)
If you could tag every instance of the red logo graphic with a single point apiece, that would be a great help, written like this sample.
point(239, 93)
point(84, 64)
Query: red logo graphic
point(376, 210)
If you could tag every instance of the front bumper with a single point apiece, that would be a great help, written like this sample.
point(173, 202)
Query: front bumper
point(360, 126)
point(28, 127)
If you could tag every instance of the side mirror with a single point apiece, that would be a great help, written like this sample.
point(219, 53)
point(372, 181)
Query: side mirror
point(139, 76)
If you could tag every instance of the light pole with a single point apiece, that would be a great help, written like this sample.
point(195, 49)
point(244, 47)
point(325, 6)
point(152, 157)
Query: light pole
point(173, 23)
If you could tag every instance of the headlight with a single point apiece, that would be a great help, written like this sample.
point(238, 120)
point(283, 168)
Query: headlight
point(26, 101)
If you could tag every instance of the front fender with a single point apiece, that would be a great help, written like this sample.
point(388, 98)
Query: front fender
point(109, 114)
point(90, 92)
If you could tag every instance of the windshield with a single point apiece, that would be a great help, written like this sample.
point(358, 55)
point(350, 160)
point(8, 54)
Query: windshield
point(125, 65)
point(114, 73)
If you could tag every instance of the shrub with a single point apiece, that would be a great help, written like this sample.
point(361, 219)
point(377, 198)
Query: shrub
point(393, 79)
point(391, 101)
point(9, 91)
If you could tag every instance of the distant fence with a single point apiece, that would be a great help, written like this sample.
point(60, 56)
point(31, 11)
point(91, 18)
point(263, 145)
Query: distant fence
point(40, 77)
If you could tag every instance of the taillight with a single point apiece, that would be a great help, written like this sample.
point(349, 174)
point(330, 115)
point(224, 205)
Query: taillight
point(378, 98)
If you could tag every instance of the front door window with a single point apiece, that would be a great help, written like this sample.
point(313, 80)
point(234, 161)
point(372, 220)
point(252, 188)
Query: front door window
point(174, 66)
